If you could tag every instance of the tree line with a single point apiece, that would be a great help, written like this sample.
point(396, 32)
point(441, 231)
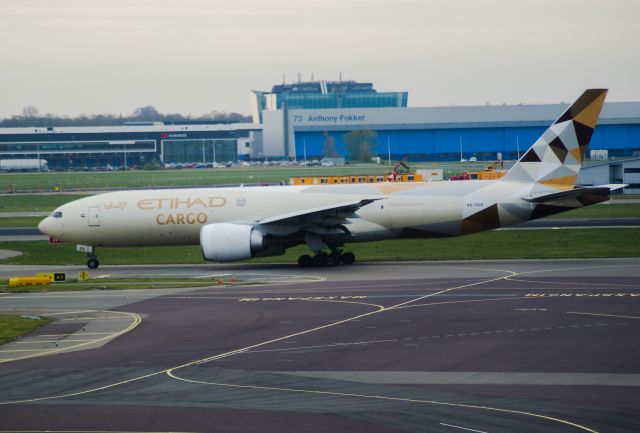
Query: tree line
point(360, 145)
point(31, 117)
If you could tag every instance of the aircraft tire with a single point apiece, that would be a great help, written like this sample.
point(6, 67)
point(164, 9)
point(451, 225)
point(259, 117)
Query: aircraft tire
point(333, 259)
point(305, 261)
point(93, 263)
point(348, 258)
point(320, 259)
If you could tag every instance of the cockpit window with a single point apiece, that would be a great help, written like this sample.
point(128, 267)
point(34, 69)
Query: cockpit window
point(56, 214)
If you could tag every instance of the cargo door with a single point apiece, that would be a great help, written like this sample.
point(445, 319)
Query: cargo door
point(94, 216)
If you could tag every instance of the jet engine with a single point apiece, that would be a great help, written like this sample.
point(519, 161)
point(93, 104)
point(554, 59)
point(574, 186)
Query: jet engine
point(227, 242)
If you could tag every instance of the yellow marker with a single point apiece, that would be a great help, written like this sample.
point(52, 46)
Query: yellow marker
point(83, 276)
point(29, 281)
point(49, 276)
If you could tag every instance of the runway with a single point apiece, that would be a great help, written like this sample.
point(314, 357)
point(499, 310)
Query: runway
point(482, 346)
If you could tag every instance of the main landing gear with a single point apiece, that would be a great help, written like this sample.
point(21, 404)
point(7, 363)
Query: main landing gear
point(323, 259)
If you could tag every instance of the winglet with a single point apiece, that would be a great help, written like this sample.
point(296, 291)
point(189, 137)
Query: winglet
point(555, 158)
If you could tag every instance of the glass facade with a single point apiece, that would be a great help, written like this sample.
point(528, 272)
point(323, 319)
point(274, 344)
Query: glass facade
point(199, 150)
point(346, 100)
point(374, 100)
point(96, 148)
point(47, 147)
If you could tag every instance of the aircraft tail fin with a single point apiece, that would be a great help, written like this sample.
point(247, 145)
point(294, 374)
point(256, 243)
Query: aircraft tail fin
point(556, 157)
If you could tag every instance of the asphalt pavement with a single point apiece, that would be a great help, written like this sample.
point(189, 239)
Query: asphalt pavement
point(484, 346)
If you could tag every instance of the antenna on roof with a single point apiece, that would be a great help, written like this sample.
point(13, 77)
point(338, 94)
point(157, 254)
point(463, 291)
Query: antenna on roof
point(283, 78)
point(340, 77)
point(299, 77)
point(312, 76)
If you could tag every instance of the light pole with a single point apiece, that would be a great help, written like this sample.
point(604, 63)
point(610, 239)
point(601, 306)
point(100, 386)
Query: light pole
point(304, 149)
point(389, 149)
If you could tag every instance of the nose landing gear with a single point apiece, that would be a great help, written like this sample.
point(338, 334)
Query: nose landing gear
point(92, 258)
point(93, 263)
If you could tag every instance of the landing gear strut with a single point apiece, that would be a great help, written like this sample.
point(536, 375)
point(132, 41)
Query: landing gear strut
point(335, 258)
point(92, 258)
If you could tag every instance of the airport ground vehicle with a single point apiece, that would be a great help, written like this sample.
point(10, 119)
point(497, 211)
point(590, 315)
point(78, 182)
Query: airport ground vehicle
point(240, 223)
point(23, 165)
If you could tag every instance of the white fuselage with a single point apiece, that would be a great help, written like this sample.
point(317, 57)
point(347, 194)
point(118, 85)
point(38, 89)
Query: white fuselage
point(176, 216)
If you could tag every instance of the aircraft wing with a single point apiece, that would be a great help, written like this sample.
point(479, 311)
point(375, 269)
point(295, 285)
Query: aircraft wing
point(325, 216)
point(586, 195)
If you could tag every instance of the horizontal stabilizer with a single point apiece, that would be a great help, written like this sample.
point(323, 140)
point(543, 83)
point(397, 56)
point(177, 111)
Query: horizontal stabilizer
point(586, 196)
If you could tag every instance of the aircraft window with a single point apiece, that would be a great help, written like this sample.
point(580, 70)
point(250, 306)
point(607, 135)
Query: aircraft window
point(57, 215)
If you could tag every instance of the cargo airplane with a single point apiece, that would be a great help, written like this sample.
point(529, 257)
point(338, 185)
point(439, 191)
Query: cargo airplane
point(244, 222)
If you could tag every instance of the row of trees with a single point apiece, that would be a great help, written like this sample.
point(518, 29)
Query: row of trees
point(31, 117)
point(360, 144)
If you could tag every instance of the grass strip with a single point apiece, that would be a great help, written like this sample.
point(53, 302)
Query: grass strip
point(508, 244)
point(12, 327)
point(625, 210)
point(35, 202)
point(7, 222)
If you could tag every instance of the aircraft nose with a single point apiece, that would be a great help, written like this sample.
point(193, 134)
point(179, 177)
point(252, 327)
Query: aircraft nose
point(46, 226)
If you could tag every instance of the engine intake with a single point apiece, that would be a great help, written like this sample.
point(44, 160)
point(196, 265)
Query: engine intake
point(227, 242)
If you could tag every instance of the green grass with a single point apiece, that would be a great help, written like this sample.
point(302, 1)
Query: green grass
point(41, 252)
point(20, 221)
point(190, 177)
point(35, 202)
point(186, 177)
point(602, 211)
point(514, 244)
point(12, 327)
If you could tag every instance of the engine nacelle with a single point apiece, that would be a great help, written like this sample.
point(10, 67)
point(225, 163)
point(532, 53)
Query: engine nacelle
point(227, 242)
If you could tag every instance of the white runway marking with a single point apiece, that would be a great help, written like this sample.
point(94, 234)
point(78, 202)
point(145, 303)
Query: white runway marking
point(462, 428)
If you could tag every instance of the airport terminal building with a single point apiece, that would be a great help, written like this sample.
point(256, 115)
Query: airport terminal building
point(131, 145)
point(296, 126)
point(306, 120)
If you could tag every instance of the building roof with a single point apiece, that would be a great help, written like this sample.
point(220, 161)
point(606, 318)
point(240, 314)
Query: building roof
point(144, 127)
point(483, 116)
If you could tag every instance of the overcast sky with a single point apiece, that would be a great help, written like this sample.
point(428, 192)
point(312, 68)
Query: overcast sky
point(195, 56)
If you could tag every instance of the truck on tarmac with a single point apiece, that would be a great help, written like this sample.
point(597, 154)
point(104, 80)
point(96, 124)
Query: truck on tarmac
point(24, 165)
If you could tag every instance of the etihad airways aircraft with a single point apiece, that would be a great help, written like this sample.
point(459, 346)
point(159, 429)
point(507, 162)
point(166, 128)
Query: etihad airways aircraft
point(240, 223)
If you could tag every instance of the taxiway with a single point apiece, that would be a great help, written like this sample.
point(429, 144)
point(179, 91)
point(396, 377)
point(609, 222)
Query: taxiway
point(487, 346)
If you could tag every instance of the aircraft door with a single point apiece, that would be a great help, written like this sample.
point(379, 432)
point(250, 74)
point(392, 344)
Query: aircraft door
point(94, 216)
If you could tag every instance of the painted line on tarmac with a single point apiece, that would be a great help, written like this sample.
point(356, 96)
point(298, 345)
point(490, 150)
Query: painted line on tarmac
point(572, 283)
point(50, 341)
point(386, 398)
point(135, 322)
point(604, 315)
point(462, 428)
point(462, 302)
